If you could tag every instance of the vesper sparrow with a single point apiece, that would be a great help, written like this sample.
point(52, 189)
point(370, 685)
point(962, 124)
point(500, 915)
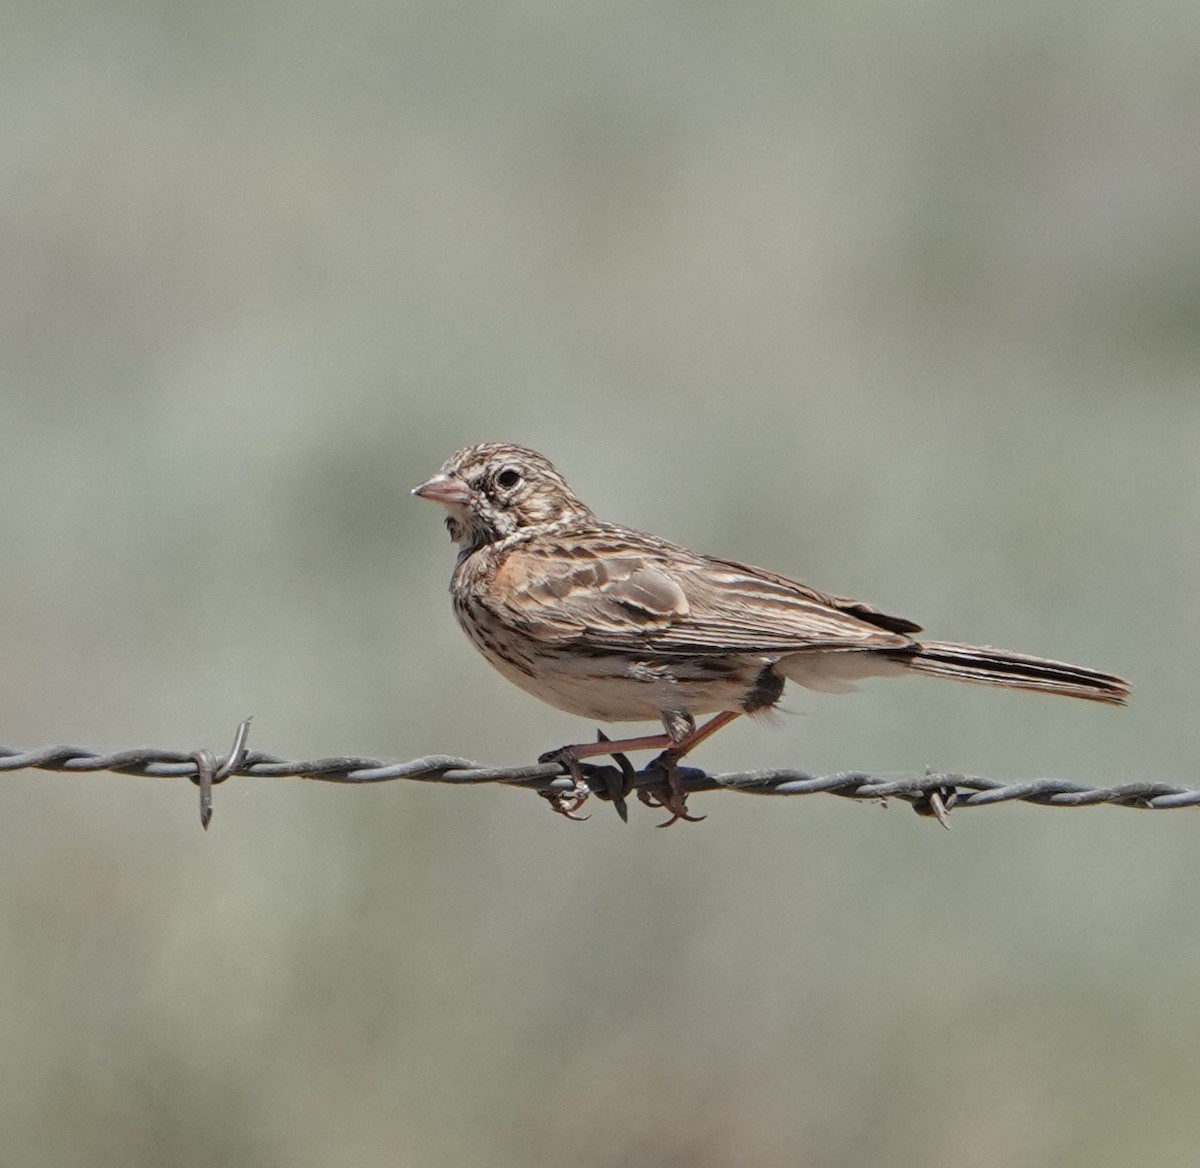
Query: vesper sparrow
point(620, 626)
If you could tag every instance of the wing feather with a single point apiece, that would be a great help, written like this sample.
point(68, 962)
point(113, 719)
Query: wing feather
point(618, 589)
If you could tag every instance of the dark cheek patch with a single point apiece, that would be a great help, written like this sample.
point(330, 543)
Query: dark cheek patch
point(454, 528)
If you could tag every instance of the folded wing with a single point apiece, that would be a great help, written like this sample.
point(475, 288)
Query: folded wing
point(616, 589)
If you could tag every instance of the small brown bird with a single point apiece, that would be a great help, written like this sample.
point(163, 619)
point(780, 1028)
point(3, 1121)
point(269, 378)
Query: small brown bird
point(619, 626)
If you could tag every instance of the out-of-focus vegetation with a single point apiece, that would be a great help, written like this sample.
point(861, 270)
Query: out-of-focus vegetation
point(904, 300)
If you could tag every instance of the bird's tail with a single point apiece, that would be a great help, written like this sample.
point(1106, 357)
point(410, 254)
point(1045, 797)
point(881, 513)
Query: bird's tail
point(988, 666)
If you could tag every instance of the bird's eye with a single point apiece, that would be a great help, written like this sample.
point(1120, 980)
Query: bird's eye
point(508, 478)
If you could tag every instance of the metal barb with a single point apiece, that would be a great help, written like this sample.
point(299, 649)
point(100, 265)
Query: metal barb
point(206, 769)
point(232, 762)
point(936, 802)
point(209, 771)
point(618, 783)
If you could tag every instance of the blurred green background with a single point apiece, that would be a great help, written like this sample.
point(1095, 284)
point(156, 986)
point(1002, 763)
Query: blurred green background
point(903, 300)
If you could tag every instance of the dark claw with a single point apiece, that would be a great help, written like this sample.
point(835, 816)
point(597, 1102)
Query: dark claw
point(566, 803)
point(677, 811)
point(676, 816)
point(675, 800)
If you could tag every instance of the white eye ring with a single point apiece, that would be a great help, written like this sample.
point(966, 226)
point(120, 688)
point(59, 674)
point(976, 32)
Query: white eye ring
point(508, 478)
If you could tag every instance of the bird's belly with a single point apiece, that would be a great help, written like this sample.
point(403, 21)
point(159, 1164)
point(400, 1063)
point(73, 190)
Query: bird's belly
point(616, 687)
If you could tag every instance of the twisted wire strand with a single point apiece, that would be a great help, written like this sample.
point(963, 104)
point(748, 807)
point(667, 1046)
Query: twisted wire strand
point(932, 793)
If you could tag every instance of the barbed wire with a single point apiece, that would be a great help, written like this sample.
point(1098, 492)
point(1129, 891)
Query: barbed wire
point(933, 793)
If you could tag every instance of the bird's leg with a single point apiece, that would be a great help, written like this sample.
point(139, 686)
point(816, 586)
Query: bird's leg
point(668, 762)
point(680, 726)
point(700, 734)
point(582, 750)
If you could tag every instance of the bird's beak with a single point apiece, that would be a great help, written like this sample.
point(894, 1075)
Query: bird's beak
point(445, 489)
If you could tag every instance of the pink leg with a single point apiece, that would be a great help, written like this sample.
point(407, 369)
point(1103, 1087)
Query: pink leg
point(610, 746)
point(688, 744)
point(676, 750)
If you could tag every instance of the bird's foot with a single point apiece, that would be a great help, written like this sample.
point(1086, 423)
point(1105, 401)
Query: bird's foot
point(606, 782)
point(674, 798)
point(567, 803)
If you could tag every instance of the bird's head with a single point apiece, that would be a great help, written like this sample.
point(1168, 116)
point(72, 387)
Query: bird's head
point(495, 490)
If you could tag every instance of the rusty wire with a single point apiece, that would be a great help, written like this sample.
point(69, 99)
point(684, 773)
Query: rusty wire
point(932, 793)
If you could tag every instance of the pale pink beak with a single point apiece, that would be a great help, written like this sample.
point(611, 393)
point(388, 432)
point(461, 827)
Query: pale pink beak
point(445, 489)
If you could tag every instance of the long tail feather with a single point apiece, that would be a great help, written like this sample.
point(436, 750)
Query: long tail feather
point(988, 666)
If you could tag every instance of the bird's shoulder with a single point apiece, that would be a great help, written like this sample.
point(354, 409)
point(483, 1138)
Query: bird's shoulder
point(574, 578)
